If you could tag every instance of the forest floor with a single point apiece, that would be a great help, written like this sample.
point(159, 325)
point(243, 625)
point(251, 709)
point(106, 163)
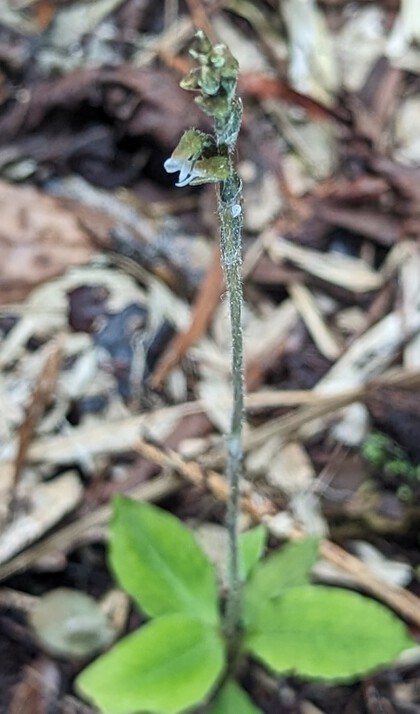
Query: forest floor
point(115, 351)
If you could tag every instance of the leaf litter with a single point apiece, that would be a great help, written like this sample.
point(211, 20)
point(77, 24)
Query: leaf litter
point(103, 260)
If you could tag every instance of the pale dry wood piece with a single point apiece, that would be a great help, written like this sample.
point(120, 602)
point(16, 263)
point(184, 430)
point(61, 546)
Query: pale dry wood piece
point(369, 355)
point(216, 397)
point(252, 256)
point(365, 358)
point(265, 335)
point(49, 502)
point(166, 44)
point(325, 405)
point(265, 453)
point(290, 424)
point(292, 470)
point(396, 257)
point(110, 437)
point(265, 331)
point(16, 599)
point(275, 398)
point(344, 271)
point(73, 22)
point(308, 308)
point(284, 466)
point(68, 536)
point(316, 154)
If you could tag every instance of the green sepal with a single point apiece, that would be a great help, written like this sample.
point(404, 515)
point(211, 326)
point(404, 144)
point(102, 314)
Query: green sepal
point(166, 666)
point(232, 698)
point(157, 560)
point(210, 170)
point(326, 633)
point(217, 106)
point(200, 47)
point(283, 569)
point(191, 81)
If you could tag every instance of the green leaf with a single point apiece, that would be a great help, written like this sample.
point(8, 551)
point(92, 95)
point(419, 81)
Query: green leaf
point(232, 698)
point(283, 569)
point(168, 665)
point(251, 545)
point(326, 633)
point(159, 562)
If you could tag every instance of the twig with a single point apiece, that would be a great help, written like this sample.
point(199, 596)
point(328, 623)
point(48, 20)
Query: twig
point(251, 502)
point(205, 304)
point(200, 19)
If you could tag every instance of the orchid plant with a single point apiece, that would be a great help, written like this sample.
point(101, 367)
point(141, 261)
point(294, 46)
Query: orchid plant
point(193, 648)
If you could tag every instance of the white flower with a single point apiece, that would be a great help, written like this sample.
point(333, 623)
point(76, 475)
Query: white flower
point(184, 166)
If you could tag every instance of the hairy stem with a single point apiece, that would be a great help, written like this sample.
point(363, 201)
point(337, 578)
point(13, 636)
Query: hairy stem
point(200, 158)
point(230, 212)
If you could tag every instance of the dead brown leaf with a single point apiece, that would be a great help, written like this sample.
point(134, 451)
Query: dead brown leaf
point(138, 100)
point(373, 223)
point(37, 688)
point(39, 239)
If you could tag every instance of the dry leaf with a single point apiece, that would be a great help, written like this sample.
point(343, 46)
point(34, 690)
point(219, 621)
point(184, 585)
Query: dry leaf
point(38, 240)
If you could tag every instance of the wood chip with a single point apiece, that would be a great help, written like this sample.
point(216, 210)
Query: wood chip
point(344, 271)
point(49, 502)
point(308, 308)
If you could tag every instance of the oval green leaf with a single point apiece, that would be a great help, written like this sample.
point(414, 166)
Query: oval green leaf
point(169, 665)
point(158, 561)
point(326, 633)
point(283, 569)
point(232, 698)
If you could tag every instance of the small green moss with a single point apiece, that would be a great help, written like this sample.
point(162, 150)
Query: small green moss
point(387, 456)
